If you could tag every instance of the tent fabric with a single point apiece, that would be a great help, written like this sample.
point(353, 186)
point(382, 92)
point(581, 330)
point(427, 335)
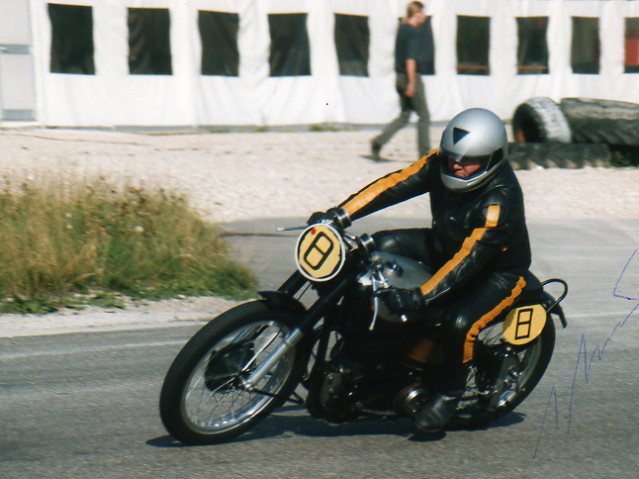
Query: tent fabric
point(275, 83)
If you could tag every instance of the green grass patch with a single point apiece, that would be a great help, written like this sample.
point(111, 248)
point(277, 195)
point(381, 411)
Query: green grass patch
point(322, 127)
point(66, 247)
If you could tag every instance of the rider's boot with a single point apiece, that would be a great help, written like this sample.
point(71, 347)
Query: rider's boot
point(438, 411)
point(441, 407)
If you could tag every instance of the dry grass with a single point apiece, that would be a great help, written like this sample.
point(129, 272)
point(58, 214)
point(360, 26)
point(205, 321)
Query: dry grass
point(96, 239)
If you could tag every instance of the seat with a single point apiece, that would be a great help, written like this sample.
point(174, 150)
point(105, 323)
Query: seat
point(532, 290)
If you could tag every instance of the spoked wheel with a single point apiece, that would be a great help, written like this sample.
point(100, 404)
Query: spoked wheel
point(204, 399)
point(488, 397)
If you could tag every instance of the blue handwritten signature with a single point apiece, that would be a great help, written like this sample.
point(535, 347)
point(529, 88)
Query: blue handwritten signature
point(585, 361)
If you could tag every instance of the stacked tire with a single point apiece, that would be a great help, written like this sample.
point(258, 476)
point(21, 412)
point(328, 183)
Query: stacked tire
point(574, 133)
point(614, 123)
point(540, 120)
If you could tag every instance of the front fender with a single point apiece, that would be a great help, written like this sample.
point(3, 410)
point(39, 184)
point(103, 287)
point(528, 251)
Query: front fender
point(279, 300)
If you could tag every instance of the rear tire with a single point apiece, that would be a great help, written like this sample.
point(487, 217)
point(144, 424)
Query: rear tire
point(533, 359)
point(202, 399)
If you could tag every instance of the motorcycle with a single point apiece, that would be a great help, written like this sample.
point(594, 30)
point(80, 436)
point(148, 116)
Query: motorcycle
point(351, 356)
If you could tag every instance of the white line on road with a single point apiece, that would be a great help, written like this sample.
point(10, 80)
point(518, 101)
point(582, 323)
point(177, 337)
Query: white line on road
point(115, 347)
point(93, 349)
point(613, 314)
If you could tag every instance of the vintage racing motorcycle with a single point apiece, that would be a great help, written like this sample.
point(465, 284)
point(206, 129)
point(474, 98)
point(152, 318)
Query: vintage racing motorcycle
point(353, 358)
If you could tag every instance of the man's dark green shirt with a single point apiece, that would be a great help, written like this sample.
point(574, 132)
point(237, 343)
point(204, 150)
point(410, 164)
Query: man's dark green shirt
point(408, 45)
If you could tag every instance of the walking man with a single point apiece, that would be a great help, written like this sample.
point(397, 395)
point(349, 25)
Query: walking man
point(409, 85)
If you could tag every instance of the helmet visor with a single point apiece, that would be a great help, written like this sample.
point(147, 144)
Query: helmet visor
point(464, 166)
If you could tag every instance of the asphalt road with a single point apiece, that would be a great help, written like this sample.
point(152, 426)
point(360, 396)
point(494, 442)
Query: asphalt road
point(85, 405)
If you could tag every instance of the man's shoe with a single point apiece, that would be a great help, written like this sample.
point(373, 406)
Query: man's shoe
point(376, 148)
point(438, 411)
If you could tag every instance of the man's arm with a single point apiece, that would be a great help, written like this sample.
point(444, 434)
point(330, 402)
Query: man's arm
point(479, 249)
point(411, 72)
point(482, 245)
point(389, 190)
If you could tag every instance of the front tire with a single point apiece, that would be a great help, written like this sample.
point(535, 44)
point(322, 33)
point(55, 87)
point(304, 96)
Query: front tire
point(203, 400)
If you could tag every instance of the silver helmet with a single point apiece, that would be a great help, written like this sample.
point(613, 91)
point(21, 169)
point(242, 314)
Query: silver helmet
point(473, 134)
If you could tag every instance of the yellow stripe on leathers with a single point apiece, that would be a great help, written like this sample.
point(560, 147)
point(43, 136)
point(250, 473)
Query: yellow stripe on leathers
point(371, 192)
point(471, 336)
point(492, 216)
point(492, 219)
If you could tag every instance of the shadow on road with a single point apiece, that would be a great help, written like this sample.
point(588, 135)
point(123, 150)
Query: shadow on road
point(165, 442)
point(288, 426)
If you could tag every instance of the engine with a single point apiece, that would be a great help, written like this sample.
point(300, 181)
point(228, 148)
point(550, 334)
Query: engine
point(371, 376)
point(378, 371)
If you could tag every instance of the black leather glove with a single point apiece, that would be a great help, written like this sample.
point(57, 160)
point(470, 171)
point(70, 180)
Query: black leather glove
point(320, 216)
point(401, 301)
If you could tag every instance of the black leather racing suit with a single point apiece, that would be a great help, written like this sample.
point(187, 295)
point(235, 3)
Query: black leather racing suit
point(478, 247)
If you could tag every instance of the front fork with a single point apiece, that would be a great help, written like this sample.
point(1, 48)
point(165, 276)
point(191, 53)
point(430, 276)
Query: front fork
point(284, 298)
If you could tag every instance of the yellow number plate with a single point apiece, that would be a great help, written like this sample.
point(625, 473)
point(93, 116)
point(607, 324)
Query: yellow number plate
point(320, 253)
point(524, 324)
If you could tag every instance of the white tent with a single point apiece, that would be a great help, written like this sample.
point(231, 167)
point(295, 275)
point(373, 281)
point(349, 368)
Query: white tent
point(38, 82)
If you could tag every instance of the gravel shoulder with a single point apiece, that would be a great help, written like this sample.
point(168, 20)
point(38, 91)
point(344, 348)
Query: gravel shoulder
point(234, 177)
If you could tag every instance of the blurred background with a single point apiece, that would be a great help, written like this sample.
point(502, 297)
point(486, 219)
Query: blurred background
point(221, 63)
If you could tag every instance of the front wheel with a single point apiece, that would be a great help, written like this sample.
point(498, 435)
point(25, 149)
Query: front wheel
point(203, 398)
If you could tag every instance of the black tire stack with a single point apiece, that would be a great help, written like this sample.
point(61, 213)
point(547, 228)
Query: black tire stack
point(574, 133)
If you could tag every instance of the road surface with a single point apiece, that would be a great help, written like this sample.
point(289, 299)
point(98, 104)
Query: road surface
point(86, 404)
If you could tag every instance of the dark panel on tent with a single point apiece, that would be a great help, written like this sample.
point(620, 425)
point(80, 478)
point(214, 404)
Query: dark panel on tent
point(584, 51)
point(352, 41)
point(218, 33)
point(427, 55)
point(290, 51)
point(149, 41)
point(71, 39)
point(532, 47)
point(473, 45)
point(632, 46)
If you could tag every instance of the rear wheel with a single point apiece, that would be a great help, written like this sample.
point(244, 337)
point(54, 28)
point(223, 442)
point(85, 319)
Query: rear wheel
point(490, 395)
point(203, 398)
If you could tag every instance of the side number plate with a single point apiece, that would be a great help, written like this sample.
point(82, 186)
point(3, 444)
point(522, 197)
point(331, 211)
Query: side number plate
point(524, 324)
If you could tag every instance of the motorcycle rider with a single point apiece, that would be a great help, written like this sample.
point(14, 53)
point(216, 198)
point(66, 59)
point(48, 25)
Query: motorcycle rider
point(477, 246)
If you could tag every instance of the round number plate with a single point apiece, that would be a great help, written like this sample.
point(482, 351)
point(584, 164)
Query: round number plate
point(320, 253)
